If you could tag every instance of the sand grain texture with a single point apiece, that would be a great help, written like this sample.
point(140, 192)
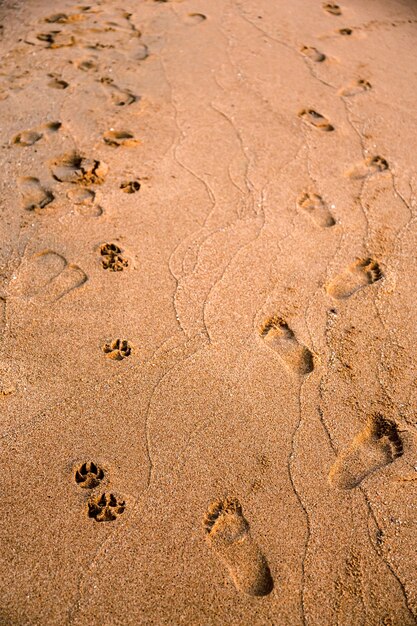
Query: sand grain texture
point(207, 313)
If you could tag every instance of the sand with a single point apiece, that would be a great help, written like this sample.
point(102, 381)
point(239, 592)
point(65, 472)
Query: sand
point(207, 313)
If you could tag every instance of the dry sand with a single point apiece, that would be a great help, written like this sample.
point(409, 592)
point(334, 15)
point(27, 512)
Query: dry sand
point(208, 261)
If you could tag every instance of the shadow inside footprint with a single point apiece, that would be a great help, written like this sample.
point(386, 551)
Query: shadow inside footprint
point(360, 274)
point(227, 533)
point(377, 445)
point(279, 337)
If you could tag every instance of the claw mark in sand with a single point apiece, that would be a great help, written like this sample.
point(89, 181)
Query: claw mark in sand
point(279, 337)
point(360, 274)
point(377, 445)
point(227, 533)
point(314, 205)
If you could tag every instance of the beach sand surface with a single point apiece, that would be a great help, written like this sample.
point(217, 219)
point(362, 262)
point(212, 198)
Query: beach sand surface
point(207, 313)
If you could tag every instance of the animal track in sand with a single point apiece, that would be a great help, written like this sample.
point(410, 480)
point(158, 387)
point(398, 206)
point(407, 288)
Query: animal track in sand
point(142, 52)
point(368, 167)
point(315, 119)
point(120, 97)
point(81, 195)
point(377, 445)
point(57, 82)
point(313, 54)
point(48, 276)
point(118, 349)
point(227, 533)
point(26, 138)
point(346, 32)
point(34, 194)
point(55, 39)
point(314, 205)
point(63, 18)
point(130, 186)
point(360, 274)
point(87, 65)
point(73, 168)
point(333, 9)
point(106, 507)
point(117, 138)
point(112, 258)
point(89, 475)
point(278, 336)
point(355, 87)
point(29, 137)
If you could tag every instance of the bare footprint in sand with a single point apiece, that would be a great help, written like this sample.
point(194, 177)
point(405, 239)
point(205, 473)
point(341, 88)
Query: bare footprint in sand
point(120, 97)
point(317, 209)
point(227, 533)
point(313, 54)
point(117, 138)
point(279, 337)
point(377, 445)
point(312, 118)
point(368, 167)
point(354, 88)
point(360, 274)
point(28, 137)
point(34, 194)
point(48, 277)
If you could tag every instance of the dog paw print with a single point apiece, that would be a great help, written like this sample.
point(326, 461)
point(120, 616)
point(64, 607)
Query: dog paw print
point(89, 475)
point(118, 349)
point(112, 258)
point(106, 507)
point(130, 186)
